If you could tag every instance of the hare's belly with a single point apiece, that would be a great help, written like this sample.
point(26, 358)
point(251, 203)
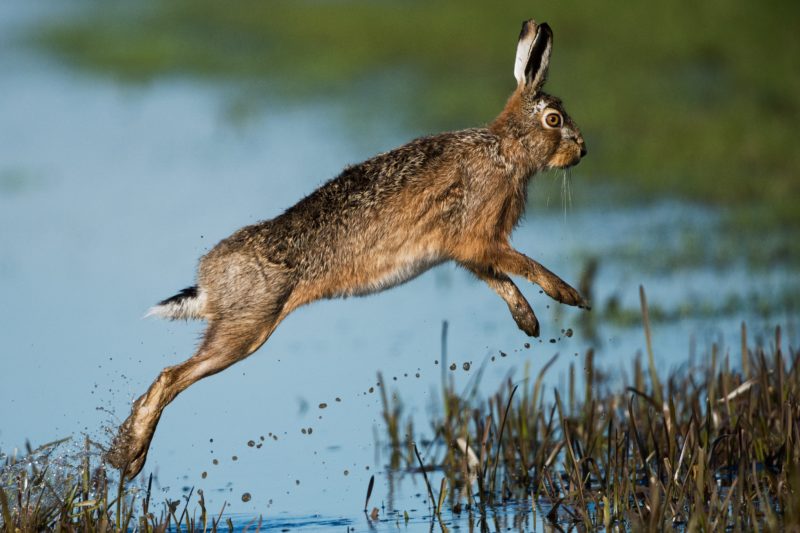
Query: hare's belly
point(392, 273)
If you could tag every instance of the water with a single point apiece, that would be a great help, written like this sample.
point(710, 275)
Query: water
point(108, 195)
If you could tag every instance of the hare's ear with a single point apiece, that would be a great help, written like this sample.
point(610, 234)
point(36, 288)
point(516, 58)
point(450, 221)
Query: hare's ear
point(533, 55)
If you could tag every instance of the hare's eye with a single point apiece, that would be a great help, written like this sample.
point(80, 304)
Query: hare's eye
point(553, 119)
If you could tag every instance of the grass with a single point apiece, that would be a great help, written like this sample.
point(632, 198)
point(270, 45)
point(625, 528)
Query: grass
point(687, 99)
point(53, 489)
point(704, 448)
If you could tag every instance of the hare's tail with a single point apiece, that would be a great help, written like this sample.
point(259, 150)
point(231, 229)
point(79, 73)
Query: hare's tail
point(189, 303)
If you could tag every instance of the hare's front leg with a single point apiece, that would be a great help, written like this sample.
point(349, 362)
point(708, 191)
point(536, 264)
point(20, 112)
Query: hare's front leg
point(513, 262)
point(517, 304)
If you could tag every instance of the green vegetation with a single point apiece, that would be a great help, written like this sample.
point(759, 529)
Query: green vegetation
point(696, 100)
point(709, 448)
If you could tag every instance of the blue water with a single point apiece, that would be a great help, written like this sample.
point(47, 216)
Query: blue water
point(108, 195)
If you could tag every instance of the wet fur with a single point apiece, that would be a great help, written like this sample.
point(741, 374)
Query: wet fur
point(449, 197)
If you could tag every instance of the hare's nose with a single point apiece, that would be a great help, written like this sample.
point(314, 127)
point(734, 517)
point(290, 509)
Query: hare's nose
point(583, 149)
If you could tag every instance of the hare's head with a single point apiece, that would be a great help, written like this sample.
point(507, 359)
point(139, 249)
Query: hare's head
point(538, 121)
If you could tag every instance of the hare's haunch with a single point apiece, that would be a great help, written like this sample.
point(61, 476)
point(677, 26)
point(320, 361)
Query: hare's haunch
point(450, 197)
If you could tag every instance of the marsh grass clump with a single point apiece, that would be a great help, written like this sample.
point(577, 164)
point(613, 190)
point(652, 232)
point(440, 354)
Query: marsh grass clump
point(58, 488)
point(703, 448)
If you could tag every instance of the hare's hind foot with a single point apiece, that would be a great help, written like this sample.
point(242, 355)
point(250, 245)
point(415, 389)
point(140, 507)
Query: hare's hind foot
point(128, 451)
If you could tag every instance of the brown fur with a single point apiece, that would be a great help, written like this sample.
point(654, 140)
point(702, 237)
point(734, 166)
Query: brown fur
point(449, 197)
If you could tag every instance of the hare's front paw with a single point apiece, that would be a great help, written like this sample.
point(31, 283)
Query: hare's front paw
point(526, 321)
point(562, 292)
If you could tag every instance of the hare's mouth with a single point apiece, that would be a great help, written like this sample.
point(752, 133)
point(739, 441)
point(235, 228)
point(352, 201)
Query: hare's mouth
point(566, 158)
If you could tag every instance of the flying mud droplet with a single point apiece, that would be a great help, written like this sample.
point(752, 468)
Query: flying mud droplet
point(235, 458)
point(215, 461)
point(296, 481)
point(453, 366)
point(204, 475)
point(552, 341)
point(466, 367)
point(323, 405)
point(251, 443)
point(303, 431)
point(338, 399)
point(503, 354)
point(246, 497)
point(527, 345)
point(346, 472)
point(568, 333)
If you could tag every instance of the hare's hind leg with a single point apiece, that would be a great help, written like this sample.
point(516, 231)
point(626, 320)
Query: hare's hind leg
point(514, 262)
point(520, 308)
point(225, 342)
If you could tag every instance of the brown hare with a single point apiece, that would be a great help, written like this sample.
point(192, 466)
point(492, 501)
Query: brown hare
point(449, 197)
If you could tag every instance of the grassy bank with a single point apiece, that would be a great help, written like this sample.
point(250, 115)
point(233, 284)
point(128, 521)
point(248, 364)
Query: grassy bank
point(698, 100)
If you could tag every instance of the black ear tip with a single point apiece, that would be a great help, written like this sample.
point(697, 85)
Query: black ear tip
point(545, 28)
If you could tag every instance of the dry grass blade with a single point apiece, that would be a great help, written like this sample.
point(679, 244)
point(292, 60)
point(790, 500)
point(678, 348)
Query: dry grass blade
point(370, 486)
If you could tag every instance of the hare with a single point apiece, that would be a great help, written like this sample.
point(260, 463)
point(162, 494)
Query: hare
point(448, 197)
